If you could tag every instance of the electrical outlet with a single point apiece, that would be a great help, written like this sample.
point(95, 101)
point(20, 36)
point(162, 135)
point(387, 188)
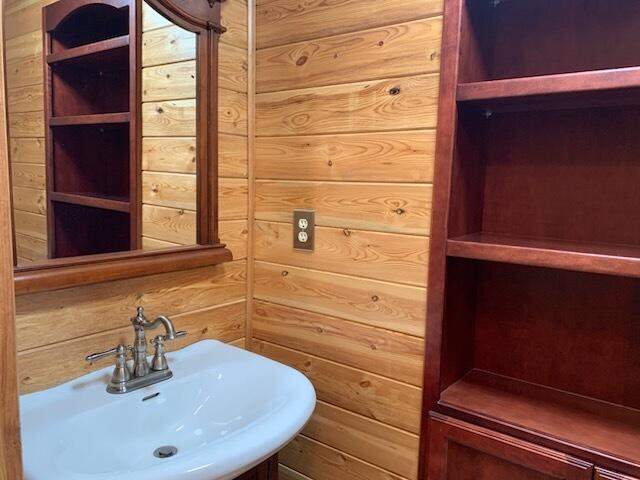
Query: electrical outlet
point(304, 224)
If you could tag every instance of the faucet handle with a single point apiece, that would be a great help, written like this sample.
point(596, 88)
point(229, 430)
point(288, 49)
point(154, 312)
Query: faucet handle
point(139, 318)
point(118, 351)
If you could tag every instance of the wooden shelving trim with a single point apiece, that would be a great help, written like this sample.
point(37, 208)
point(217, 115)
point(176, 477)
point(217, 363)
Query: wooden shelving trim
point(96, 48)
point(94, 201)
point(598, 427)
point(95, 119)
point(621, 260)
point(559, 84)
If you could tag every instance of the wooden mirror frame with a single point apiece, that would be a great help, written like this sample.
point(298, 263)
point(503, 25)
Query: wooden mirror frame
point(201, 17)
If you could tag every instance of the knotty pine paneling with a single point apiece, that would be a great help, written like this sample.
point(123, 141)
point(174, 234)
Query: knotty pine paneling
point(57, 329)
point(385, 305)
point(392, 51)
point(394, 355)
point(390, 448)
point(390, 104)
point(379, 256)
point(373, 396)
point(367, 206)
point(346, 113)
point(360, 157)
point(287, 21)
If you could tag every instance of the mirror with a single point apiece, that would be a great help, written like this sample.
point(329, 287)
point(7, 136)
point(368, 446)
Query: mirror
point(111, 130)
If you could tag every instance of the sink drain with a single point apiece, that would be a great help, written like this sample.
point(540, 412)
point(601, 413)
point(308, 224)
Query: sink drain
point(165, 452)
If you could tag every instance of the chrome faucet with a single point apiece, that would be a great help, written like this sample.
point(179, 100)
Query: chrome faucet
point(141, 373)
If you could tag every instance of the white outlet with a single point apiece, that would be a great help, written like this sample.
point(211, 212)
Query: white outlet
point(303, 224)
point(303, 237)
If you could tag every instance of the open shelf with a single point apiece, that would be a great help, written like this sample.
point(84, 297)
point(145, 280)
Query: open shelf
point(101, 53)
point(610, 429)
point(96, 119)
point(95, 201)
point(583, 257)
point(592, 88)
point(87, 24)
point(513, 39)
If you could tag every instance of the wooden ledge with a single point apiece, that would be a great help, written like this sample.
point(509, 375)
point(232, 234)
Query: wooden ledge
point(72, 272)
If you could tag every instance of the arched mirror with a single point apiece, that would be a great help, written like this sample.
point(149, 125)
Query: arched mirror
point(112, 114)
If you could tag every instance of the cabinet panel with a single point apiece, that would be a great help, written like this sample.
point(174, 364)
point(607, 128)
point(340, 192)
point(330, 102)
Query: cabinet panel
point(267, 470)
point(461, 451)
point(608, 475)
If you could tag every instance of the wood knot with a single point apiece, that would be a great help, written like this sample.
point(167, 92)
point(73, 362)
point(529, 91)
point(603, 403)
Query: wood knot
point(400, 211)
point(375, 298)
point(365, 384)
point(302, 60)
point(347, 232)
point(160, 110)
point(394, 91)
point(285, 273)
point(380, 43)
point(330, 163)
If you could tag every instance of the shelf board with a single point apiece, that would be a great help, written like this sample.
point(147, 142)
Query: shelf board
point(599, 86)
point(605, 428)
point(99, 52)
point(611, 259)
point(97, 119)
point(95, 201)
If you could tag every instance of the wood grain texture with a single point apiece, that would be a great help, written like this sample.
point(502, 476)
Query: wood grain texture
point(24, 60)
point(234, 18)
point(368, 157)
point(232, 156)
point(393, 355)
point(233, 195)
point(10, 448)
point(30, 249)
point(91, 309)
point(170, 118)
point(381, 304)
point(232, 112)
point(285, 21)
point(372, 441)
point(396, 50)
point(168, 45)
point(26, 124)
point(28, 175)
point(177, 190)
point(373, 396)
point(169, 154)
point(27, 150)
point(30, 224)
point(173, 81)
point(381, 207)
point(391, 104)
point(232, 68)
point(225, 323)
point(169, 224)
point(381, 256)
point(29, 98)
point(325, 463)
point(286, 473)
point(30, 200)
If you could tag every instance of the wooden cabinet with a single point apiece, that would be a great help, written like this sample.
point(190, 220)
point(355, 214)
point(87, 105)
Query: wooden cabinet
point(461, 451)
point(267, 470)
point(91, 105)
point(602, 474)
point(534, 274)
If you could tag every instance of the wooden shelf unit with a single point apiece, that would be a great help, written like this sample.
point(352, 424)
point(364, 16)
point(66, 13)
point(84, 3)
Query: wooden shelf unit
point(534, 276)
point(91, 106)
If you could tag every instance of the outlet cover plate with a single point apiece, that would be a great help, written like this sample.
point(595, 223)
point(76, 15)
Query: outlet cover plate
point(304, 229)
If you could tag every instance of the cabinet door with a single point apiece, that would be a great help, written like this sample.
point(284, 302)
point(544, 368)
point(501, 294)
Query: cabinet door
point(602, 474)
point(461, 451)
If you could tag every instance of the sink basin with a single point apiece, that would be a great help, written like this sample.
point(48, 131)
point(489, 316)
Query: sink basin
point(225, 410)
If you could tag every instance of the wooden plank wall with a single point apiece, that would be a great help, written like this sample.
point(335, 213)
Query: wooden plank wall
point(25, 100)
point(346, 110)
point(55, 330)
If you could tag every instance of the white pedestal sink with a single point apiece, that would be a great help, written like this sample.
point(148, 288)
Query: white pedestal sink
point(225, 410)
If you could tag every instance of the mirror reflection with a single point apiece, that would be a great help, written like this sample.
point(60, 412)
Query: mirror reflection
point(99, 163)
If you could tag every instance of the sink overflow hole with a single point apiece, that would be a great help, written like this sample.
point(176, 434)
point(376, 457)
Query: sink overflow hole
point(149, 397)
point(165, 452)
